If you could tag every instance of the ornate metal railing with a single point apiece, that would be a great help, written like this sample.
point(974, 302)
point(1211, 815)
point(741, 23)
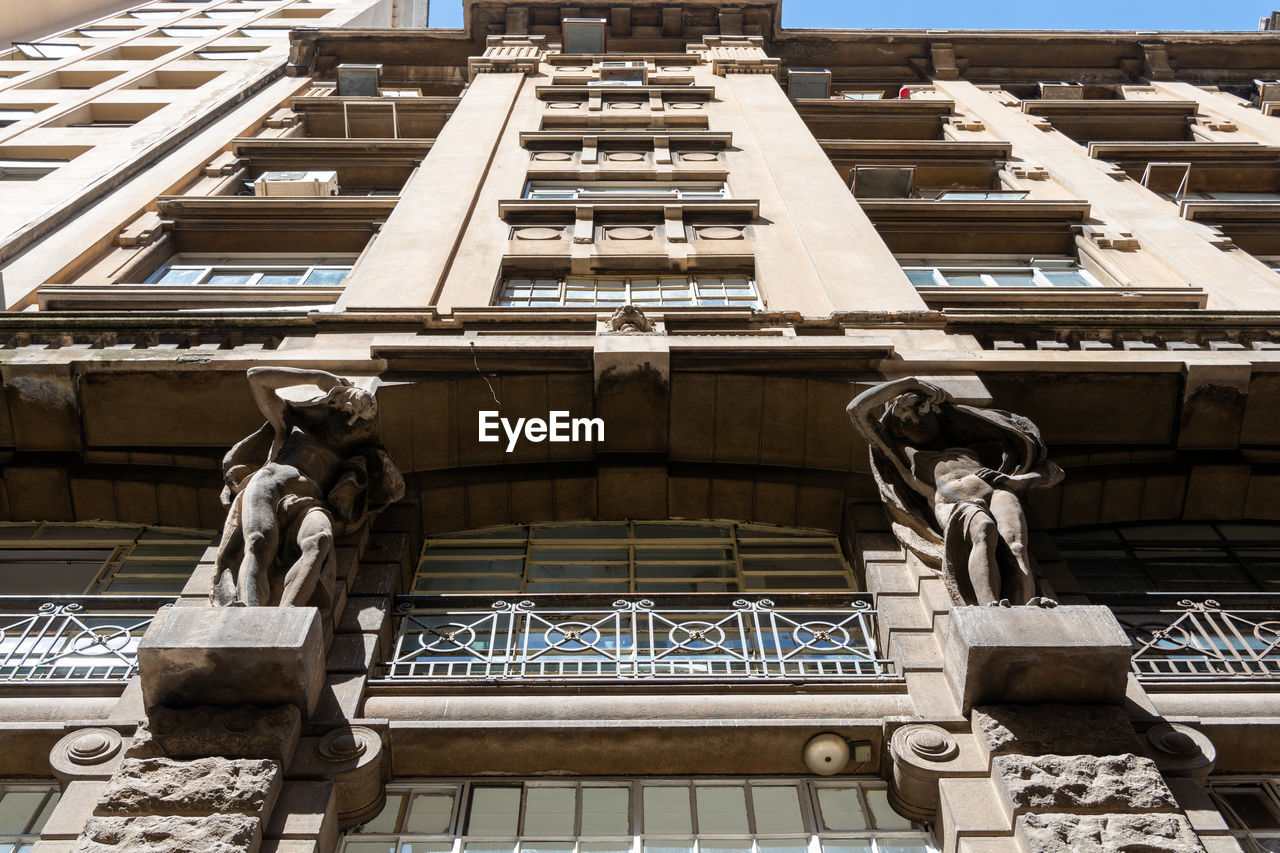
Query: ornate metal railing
point(78, 639)
point(1178, 637)
point(660, 637)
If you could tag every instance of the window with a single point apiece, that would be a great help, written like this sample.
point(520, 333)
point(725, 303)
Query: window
point(1214, 195)
point(673, 291)
point(982, 195)
point(227, 54)
point(189, 32)
point(98, 559)
point(556, 190)
point(106, 32)
point(1251, 809)
point(13, 115)
point(1200, 557)
point(619, 816)
point(154, 15)
point(583, 35)
point(640, 556)
point(1037, 272)
point(223, 272)
point(27, 170)
point(24, 809)
point(47, 50)
point(875, 95)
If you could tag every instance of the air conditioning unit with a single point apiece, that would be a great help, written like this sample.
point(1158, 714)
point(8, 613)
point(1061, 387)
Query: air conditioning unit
point(399, 93)
point(583, 35)
point(1062, 91)
point(359, 80)
point(629, 73)
point(295, 184)
point(1267, 90)
point(808, 83)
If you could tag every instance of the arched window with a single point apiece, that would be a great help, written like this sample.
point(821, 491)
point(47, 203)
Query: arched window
point(97, 558)
point(1182, 557)
point(633, 557)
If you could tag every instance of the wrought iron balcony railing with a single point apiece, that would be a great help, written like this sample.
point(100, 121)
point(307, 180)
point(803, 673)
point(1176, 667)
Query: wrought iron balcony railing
point(91, 638)
point(1179, 637)
point(818, 637)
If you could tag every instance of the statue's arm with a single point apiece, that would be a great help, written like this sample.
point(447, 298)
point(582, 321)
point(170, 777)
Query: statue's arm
point(865, 411)
point(266, 381)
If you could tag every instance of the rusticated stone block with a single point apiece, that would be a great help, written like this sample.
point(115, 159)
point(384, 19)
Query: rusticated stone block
point(1033, 655)
point(1055, 729)
point(244, 732)
point(219, 833)
point(1082, 783)
point(1107, 833)
point(205, 786)
point(232, 656)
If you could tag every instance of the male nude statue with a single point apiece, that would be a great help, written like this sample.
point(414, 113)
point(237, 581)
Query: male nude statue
point(315, 469)
point(952, 478)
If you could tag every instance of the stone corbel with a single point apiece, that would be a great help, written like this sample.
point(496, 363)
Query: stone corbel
point(222, 165)
point(1215, 124)
point(281, 118)
point(961, 122)
point(1180, 750)
point(943, 61)
point(1028, 171)
point(922, 756)
point(356, 761)
point(89, 754)
point(141, 232)
point(1109, 238)
point(1156, 64)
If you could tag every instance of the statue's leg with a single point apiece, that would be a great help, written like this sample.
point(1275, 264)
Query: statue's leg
point(984, 573)
point(261, 530)
point(230, 546)
point(315, 542)
point(1011, 521)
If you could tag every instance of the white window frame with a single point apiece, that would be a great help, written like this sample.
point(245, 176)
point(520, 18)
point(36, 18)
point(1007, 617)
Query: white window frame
point(38, 816)
point(257, 267)
point(227, 55)
point(987, 268)
point(697, 298)
point(28, 170)
point(40, 50)
point(603, 190)
point(981, 195)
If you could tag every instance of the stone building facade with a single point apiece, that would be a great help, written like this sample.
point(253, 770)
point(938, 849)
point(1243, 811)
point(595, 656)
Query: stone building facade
point(558, 537)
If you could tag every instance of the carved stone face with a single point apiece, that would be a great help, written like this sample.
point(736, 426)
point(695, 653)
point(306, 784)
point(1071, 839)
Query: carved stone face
point(914, 419)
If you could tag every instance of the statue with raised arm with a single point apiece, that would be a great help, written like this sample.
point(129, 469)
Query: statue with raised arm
point(952, 479)
point(315, 470)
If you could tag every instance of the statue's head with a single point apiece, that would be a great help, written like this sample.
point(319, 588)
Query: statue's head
point(356, 402)
point(913, 418)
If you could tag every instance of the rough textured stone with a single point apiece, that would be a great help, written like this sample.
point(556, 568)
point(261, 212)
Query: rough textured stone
point(1031, 655)
point(233, 656)
point(244, 732)
point(219, 833)
point(160, 786)
point(1082, 783)
point(1109, 833)
point(1055, 729)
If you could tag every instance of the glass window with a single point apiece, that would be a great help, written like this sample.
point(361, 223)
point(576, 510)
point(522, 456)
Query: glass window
point(982, 195)
point(227, 54)
point(255, 273)
point(86, 559)
point(559, 190)
point(1184, 558)
point(24, 809)
point(1251, 808)
point(633, 557)
point(1037, 272)
point(47, 50)
point(671, 291)
point(719, 816)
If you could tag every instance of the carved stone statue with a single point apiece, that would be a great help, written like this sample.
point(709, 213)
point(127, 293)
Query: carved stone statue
point(314, 471)
point(630, 320)
point(952, 479)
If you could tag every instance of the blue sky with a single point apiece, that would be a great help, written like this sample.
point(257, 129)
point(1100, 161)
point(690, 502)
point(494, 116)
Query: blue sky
point(996, 14)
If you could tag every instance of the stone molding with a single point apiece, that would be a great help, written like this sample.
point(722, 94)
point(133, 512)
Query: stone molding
point(90, 753)
point(736, 55)
point(509, 54)
point(1180, 750)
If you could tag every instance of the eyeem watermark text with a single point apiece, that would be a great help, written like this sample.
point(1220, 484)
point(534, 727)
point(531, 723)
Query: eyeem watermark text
point(559, 427)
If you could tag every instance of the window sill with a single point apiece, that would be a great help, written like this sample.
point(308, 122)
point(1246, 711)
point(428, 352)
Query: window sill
point(1064, 297)
point(116, 297)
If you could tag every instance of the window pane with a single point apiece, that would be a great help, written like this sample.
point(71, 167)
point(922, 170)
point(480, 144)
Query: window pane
point(328, 276)
point(666, 809)
point(959, 278)
point(386, 819)
point(921, 277)
point(662, 845)
point(1066, 278)
point(229, 278)
point(282, 278)
point(847, 845)
point(777, 809)
point(841, 808)
point(494, 811)
point(784, 845)
point(430, 812)
point(1013, 278)
point(18, 810)
point(721, 809)
point(604, 811)
point(549, 811)
point(180, 275)
point(882, 813)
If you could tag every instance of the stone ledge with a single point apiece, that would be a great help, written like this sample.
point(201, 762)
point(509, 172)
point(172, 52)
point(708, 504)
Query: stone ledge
point(206, 786)
point(219, 833)
point(1106, 833)
point(1082, 784)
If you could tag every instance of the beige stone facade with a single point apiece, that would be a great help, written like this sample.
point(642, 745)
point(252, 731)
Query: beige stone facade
point(683, 238)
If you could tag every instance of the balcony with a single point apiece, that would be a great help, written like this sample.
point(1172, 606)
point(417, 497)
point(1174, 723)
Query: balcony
point(656, 639)
point(1193, 638)
point(73, 640)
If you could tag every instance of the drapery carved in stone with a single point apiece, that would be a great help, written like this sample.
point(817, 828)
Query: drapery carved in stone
point(952, 479)
point(314, 471)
